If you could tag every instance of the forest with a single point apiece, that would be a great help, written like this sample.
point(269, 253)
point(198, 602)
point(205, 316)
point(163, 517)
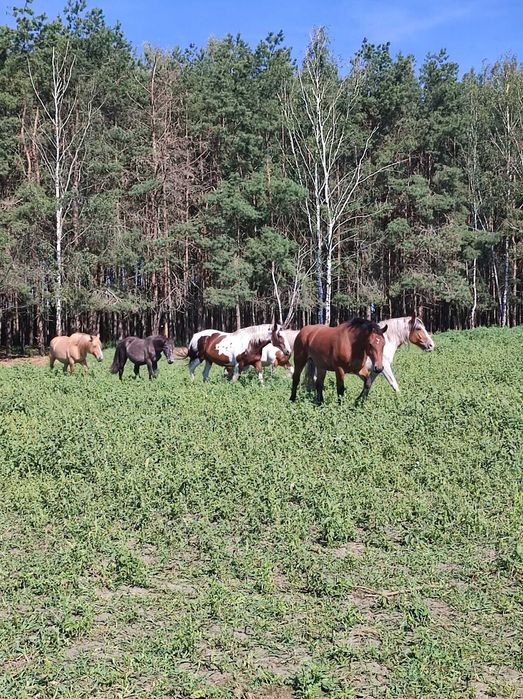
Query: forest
point(221, 186)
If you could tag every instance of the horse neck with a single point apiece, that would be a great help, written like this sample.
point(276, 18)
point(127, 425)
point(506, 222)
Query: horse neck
point(158, 342)
point(291, 336)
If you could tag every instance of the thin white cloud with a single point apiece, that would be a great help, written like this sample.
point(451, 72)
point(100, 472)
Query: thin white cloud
point(386, 21)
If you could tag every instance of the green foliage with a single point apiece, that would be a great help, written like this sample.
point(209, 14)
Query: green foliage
point(329, 552)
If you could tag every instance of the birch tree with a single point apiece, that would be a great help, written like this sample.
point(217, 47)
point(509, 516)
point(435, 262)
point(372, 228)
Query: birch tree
point(330, 160)
point(60, 141)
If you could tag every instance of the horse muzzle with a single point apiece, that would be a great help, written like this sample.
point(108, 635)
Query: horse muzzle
point(378, 369)
point(170, 361)
point(100, 359)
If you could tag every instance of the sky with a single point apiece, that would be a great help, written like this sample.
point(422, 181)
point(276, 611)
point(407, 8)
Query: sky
point(474, 32)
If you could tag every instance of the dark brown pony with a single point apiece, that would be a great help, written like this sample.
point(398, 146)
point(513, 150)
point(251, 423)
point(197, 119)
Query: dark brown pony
point(343, 349)
point(142, 351)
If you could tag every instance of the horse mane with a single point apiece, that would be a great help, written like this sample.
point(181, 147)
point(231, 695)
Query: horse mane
point(255, 333)
point(363, 324)
point(399, 329)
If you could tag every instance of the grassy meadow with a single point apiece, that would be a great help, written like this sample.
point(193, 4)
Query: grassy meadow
point(169, 539)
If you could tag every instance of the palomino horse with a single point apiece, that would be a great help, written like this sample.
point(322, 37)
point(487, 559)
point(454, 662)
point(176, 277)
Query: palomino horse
point(238, 349)
point(71, 350)
point(343, 349)
point(273, 357)
point(399, 332)
point(140, 352)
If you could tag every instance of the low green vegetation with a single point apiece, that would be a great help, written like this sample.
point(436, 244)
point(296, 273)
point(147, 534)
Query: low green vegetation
point(169, 539)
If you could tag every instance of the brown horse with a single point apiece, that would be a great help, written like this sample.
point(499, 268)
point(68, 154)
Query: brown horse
point(239, 349)
point(74, 350)
point(343, 349)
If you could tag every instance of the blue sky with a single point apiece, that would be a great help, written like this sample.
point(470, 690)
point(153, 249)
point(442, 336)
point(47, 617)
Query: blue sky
point(473, 31)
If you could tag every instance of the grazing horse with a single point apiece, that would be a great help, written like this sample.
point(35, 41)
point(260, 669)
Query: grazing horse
point(71, 350)
point(238, 349)
point(343, 349)
point(147, 351)
point(273, 357)
point(400, 331)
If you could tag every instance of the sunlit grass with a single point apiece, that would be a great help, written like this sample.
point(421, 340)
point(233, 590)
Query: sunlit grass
point(187, 540)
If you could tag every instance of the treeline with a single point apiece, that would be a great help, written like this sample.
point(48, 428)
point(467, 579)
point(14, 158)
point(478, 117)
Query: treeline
point(218, 186)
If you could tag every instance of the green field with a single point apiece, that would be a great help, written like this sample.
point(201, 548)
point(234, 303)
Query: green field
point(163, 539)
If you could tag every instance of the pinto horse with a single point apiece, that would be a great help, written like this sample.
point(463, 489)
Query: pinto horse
point(343, 349)
point(237, 350)
point(399, 332)
point(71, 350)
point(147, 351)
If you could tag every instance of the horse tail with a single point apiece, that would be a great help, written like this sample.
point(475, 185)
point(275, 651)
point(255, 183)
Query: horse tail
point(310, 373)
point(119, 357)
point(193, 351)
point(180, 352)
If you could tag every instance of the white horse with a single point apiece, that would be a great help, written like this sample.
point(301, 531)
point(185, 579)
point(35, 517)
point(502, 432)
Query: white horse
point(400, 331)
point(273, 357)
point(237, 349)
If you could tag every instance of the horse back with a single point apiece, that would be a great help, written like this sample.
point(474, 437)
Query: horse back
point(207, 349)
point(60, 346)
point(328, 347)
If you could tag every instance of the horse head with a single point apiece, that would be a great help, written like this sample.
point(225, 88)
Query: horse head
point(279, 339)
point(418, 334)
point(95, 347)
point(168, 350)
point(376, 345)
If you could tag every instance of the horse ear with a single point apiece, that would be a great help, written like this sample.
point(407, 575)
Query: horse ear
point(413, 319)
point(384, 329)
point(91, 337)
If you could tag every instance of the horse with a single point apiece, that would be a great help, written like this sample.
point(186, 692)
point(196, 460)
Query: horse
point(273, 357)
point(71, 350)
point(238, 349)
point(142, 351)
point(343, 349)
point(399, 332)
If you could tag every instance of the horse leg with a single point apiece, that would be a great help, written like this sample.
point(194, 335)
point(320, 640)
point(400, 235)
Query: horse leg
point(387, 373)
point(136, 371)
point(298, 368)
point(340, 383)
point(71, 366)
point(367, 383)
point(192, 366)
point(149, 368)
point(320, 380)
point(207, 369)
point(155, 369)
point(259, 370)
point(236, 373)
point(52, 360)
point(84, 364)
point(122, 365)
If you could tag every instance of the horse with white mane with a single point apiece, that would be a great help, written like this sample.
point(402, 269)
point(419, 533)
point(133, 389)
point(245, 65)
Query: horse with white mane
point(237, 350)
point(400, 331)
